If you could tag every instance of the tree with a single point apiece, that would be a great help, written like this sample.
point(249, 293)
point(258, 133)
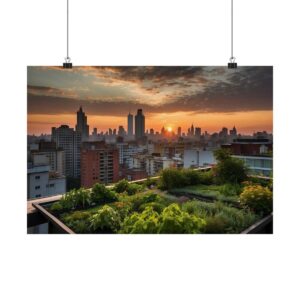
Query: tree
point(229, 169)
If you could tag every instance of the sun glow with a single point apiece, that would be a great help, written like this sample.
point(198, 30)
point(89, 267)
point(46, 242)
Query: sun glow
point(169, 129)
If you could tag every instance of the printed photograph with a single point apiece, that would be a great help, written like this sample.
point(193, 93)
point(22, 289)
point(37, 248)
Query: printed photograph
point(150, 150)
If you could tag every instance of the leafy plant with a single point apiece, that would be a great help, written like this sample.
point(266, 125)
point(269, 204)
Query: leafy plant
point(121, 186)
point(76, 199)
point(229, 169)
point(78, 221)
point(174, 220)
point(133, 188)
point(105, 220)
point(145, 222)
point(101, 194)
point(56, 207)
point(257, 198)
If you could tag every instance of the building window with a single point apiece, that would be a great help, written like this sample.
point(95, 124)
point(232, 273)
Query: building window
point(51, 185)
point(38, 196)
point(37, 177)
point(37, 187)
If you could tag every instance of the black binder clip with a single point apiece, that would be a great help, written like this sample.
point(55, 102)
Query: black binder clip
point(67, 64)
point(232, 64)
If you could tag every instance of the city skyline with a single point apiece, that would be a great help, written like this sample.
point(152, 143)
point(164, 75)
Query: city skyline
point(171, 97)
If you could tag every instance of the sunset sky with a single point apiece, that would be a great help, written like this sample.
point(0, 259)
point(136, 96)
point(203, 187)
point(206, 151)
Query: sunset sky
point(208, 97)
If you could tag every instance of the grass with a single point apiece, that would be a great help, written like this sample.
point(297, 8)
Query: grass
point(210, 192)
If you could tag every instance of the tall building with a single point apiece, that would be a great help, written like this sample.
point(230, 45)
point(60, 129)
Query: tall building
point(198, 131)
point(82, 126)
point(179, 131)
point(99, 163)
point(192, 130)
point(139, 124)
point(70, 141)
point(130, 124)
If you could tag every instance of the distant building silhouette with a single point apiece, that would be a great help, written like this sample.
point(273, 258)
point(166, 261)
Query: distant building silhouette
point(139, 124)
point(130, 124)
point(82, 125)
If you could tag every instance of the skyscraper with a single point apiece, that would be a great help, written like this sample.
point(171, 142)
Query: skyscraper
point(130, 124)
point(70, 141)
point(139, 124)
point(179, 131)
point(82, 126)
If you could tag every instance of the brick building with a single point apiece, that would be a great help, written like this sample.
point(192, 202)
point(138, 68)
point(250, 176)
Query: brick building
point(99, 163)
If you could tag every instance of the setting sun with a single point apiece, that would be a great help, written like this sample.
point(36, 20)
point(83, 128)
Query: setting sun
point(169, 129)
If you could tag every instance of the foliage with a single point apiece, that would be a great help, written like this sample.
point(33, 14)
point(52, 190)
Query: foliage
point(219, 217)
point(215, 224)
point(101, 194)
point(229, 169)
point(171, 220)
point(56, 207)
point(78, 221)
point(229, 189)
point(222, 154)
point(76, 199)
point(174, 220)
point(145, 222)
point(257, 198)
point(105, 220)
point(124, 186)
point(121, 186)
point(176, 178)
point(123, 208)
point(133, 188)
point(157, 206)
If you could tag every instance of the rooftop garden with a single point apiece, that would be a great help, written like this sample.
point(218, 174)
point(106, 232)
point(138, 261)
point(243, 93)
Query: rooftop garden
point(222, 200)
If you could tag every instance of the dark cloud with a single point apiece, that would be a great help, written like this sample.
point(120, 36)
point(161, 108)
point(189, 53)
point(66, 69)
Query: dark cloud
point(220, 90)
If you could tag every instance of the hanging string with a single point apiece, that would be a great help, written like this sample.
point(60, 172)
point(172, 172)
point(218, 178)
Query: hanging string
point(232, 64)
point(67, 64)
point(231, 29)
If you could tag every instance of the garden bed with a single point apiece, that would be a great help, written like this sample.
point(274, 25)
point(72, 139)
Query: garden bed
point(153, 207)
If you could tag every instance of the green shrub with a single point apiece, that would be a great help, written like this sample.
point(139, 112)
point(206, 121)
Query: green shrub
point(228, 219)
point(176, 178)
point(100, 194)
point(156, 206)
point(76, 199)
point(257, 198)
point(106, 220)
point(174, 220)
point(78, 221)
point(133, 188)
point(229, 169)
point(123, 208)
point(121, 186)
point(145, 222)
point(229, 189)
point(56, 207)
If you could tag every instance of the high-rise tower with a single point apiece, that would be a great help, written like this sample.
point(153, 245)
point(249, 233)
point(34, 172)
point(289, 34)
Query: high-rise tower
point(139, 124)
point(82, 126)
point(130, 124)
